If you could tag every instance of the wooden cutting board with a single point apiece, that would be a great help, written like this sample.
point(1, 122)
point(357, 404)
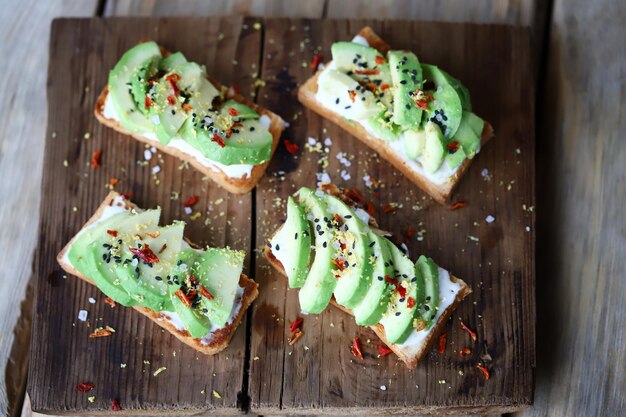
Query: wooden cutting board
point(260, 372)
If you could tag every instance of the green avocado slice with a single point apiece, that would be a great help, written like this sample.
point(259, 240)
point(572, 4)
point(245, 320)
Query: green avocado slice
point(172, 61)
point(320, 282)
point(294, 238)
point(351, 243)
point(139, 82)
point(120, 79)
point(406, 75)
point(346, 96)
point(440, 77)
point(430, 272)
point(242, 111)
point(371, 308)
point(469, 133)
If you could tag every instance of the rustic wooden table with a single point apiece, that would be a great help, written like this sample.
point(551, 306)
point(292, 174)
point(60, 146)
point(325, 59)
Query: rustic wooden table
point(581, 238)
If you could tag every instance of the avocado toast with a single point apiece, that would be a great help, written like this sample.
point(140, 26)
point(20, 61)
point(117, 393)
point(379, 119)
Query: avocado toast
point(335, 254)
point(200, 296)
point(171, 103)
point(415, 115)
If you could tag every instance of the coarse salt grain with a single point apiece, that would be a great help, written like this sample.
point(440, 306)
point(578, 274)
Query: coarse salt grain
point(92, 300)
point(156, 169)
point(188, 210)
point(490, 219)
point(82, 315)
point(328, 142)
point(147, 154)
point(383, 388)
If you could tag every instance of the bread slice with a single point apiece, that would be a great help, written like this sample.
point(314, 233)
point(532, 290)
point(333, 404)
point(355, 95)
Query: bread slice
point(410, 355)
point(440, 192)
point(234, 185)
point(221, 337)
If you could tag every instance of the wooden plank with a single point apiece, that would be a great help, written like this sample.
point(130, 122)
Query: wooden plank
point(22, 124)
point(582, 237)
point(122, 367)
point(290, 8)
point(318, 374)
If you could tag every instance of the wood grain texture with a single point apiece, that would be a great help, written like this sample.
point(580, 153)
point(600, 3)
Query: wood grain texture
point(581, 231)
point(22, 128)
point(270, 8)
point(318, 374)
point(122, 366)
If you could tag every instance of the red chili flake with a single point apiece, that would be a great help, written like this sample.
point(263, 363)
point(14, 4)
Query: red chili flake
point(370, 86)
point(453, 146)
point(410, 232)
point(380, 60)
point(205, 293)
point(458, 205)
point(291, 147)
point(340, 264)
point(383, 350)
point(233, 111)
point(421, 99)
point(388, 208)
point(330, 188)
point(110, 302)
point(186, 107)
point(384, 86)
point(171, 99)
point(173, 78)
point(342, 245)
point(95, 159)
point(390, 280)
point(113, 181)
point(115, 405)
point(294, 326)
point(85, 387)
point(352, 95)
point(315, 62)
point(127, 196)
point(410, 302)
point(236, 88)
point(443, 338)
point(468, 330)
point(295, 336)
point(369, 207)
point(354, 195)
point(337, 219)
point(465, 351)
point(193, 280)
point(153, 235)
point(367, 72)
point(148, 102)
point(484, 370)
point(112, 232)
point(145, 254)
point(183, 298)
point(191, 201)
point(191, 293)
point(401, 290)
point(100, 333)
point(163, 248)
point(356, 348)
point(218, 139)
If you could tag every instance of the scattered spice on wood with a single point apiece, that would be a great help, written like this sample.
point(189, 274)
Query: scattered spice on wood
point(468, 330)
point(295, 336)
point(115, 405)
point(85, 387)
point(291, 147)
point(410, 232)
point(110, 302)
point(484, 370)
point(100, 333)
point(458, 205)
point(443, 338)
point(465, 352)
point(113, 181)
point(296, 324)
point(95, 159)
point(388, 208)
point(383, 351)
point(356, 348)
point(315, 62)
point(191, 201)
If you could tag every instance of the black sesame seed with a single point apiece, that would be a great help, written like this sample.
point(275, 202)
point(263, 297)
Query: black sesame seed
point(337, 101)
point(158, 278)
point(277, 246)
point(325, 245)
point(296, 236)
point(403, 82)
point(426, 308)
point(380, 278)
point(372, 244)
point(397, 313)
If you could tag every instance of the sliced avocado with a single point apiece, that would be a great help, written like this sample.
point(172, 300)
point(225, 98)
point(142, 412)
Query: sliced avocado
point(469, 133)
point(219, 270)
point(440, 77)
point(406, 75)
point(398, 319)
point(242, 111)
point(172, 61)
point(371, 308)
point(192, 317)
point(414, 141)
point(91, 264)
point(120, 79)
point(435, 148)
point(430, 272)
point(445, 110)
point(456, 158)
point(383, 126)
point(347, 96)
point(140, 82)
point(249, 143)
point(357, 60)
point(320, 282)
point(352, 248)
point(146, 282)
point(294, 239)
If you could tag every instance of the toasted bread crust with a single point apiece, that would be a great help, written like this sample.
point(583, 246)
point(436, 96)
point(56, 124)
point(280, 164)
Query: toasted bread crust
point(411, 355)
point(221, 337)
point(441, 193)
point(234, 185)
